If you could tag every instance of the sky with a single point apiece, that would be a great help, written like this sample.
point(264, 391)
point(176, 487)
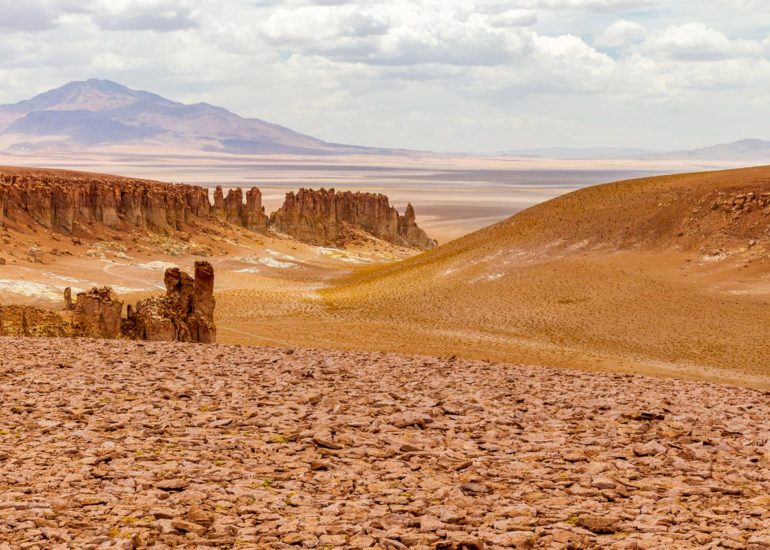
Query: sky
point(441, 75)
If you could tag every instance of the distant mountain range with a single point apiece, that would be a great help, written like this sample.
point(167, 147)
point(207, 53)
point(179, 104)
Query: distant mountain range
point(753, 150)
point(98, 113)
point(101, 113)
point(746, 149)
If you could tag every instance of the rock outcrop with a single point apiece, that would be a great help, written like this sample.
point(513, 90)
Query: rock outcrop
point(67, 201)
point(410, 233)
point(76, 203)
point(96, 313)
point(184, 314)
point(33, 321)
point(232, 209)
point(328, 217)
point(64, 202)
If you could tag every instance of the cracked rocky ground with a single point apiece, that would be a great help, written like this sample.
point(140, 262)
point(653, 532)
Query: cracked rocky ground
point(109, 444)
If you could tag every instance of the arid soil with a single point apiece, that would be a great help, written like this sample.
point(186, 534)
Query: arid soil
point(124, 445)
point(667, 276)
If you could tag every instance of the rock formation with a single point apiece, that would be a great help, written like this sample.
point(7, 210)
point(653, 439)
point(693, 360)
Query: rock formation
point(327, 217)
point(413, 235)
point(232, 208)
point(33, 321)
point(75, 203)
point(62, 202)
point(96, 313)
point(66, 201)
point(184, 314)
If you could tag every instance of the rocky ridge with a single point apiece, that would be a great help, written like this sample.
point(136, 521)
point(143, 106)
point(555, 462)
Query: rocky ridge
point(76, 204)
point(328, 217)
point(107, 444)
point(71, 204)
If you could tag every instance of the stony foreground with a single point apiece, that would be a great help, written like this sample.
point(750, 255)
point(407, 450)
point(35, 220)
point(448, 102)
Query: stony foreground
point(120, 445)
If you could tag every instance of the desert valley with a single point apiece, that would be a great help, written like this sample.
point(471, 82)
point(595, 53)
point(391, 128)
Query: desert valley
point(219, 332)
point(450, 446)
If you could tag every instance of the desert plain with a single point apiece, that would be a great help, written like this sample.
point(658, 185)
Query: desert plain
point(587, 372)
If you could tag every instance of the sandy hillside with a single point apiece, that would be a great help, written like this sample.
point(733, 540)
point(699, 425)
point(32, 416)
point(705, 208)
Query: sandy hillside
point(664, 275)
point(126, 445)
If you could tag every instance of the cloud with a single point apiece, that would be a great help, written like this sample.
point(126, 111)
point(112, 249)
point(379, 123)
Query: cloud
point(396, 33)
point(145, 15)
point(596, 5)
point(29, 15)
point(620, 33)
point(514, 18)
point(697, 42)
point(406, 72)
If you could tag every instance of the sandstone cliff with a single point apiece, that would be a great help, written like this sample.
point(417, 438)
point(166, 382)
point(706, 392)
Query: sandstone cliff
point(33, 321)
point(329, 217)
point(63, 202)
point(96, 313)
point(67, 201)
point(75, 203)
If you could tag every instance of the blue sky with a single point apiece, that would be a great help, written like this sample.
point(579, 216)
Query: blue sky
point(453, 75)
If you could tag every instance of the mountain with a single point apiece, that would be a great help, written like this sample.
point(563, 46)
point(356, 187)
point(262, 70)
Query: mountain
point(745, 149)
point(643, 274)
point(751, 150)
point(99, 113)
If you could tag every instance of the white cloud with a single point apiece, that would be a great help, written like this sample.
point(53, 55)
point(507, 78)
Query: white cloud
point(514, 18)
point(620, 33)
point(697, 42)
point(28, 15)
point(142, 15)
point(430, 74)
point(609, 5)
